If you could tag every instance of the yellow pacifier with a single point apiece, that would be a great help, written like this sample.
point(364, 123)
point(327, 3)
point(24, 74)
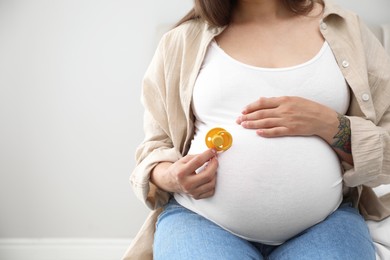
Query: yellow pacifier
point(219, 139)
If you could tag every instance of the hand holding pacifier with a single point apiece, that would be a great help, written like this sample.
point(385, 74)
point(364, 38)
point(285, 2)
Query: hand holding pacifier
point(219, 139)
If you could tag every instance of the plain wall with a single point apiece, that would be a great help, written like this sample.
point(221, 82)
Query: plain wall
point(70, 116)
point(70, 113)
point(374, 12)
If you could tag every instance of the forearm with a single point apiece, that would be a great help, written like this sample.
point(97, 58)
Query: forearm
point(161, 178)
point(338, 135)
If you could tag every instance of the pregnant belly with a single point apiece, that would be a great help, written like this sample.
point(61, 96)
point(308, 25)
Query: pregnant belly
point(269, 190)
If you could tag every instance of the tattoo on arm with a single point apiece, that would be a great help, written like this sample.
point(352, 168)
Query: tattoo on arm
point(342, 140)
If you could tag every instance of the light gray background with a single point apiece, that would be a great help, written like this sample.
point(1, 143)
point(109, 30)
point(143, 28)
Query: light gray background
point(70, 116)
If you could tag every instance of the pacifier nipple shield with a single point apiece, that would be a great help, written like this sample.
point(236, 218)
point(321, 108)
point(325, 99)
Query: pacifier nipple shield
point(219, 139)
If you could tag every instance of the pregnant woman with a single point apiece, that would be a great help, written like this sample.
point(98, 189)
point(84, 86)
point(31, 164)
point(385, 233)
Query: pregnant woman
point(303, 87)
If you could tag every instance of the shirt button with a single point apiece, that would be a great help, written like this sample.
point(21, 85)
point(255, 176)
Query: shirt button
point(345, 64)
point(323, 26)
point(365, 97)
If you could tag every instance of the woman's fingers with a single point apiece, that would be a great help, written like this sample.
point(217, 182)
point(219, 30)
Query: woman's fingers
point(262, 123)
point(256, 115)
point(262, 103)
point(200, 185)
point(199, 160)
point(205, 191)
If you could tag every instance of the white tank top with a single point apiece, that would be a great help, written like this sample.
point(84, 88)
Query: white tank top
point(268, 189)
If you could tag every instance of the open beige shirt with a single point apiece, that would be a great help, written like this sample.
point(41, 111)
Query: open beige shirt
point(169, 122)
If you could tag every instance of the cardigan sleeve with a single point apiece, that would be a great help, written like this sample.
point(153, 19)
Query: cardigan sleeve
point(157, 145)
point(371, 138)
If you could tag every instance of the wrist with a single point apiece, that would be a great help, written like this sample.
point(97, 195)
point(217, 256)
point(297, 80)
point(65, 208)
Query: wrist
point(342, 139)
point(329, 128)
point(337, 134)
point(160, 176)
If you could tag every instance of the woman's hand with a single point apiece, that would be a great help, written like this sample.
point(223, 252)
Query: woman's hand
point(296, 116)
point(289, 116)
point(181, 176)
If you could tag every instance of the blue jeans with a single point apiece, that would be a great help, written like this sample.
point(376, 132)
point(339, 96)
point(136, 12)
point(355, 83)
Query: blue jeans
point(183, 234)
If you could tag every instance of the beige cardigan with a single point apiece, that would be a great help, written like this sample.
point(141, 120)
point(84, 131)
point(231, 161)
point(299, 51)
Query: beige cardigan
point(168, 119)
